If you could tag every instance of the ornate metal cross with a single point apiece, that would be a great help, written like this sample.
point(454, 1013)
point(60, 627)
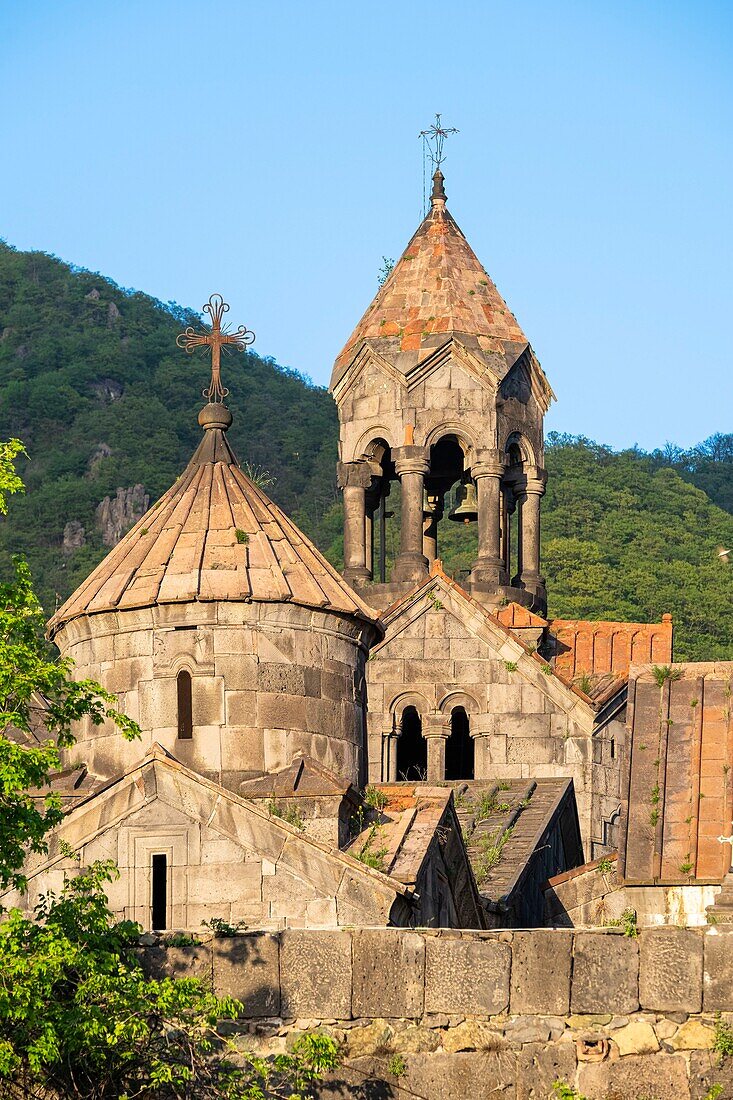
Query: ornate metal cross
point(218, 338)
point(434, 137)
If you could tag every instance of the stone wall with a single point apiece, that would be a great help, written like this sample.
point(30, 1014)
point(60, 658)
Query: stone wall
point(441, 652)
point(268, 681)
point(592, 895)
point(458, 1016)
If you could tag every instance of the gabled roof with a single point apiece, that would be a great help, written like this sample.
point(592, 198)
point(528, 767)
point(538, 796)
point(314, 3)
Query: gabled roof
point(677, 789)
point(161, 777)
point(213, 536)
point(516, 617)
point(506, 828)
point(404, 827)
point(482, 622)
point(304, 777)
point(437, 292)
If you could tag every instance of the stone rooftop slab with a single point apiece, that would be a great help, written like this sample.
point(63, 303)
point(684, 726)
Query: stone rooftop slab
point(677, 788)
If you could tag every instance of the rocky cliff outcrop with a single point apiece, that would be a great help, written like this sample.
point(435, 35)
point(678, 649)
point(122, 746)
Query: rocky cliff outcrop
point(74, 536)
point(116, 515)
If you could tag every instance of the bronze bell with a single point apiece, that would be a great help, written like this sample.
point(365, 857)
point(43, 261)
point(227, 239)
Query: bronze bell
point(466, 507)
point(429, 503)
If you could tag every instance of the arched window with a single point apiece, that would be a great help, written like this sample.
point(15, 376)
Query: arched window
point(185, 706)
point(412, 748)
point(459, 749)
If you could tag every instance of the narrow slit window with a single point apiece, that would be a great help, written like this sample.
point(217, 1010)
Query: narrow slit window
point(185, 706)
point(159, 892)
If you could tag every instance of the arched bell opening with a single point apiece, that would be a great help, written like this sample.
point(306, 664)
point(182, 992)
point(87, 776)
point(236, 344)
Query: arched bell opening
point(511, 511)
point(450, 494)
point(382, 526)
point(412, 748)
point(459, 748)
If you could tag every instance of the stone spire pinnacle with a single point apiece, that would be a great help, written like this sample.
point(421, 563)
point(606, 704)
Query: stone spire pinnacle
point(438, 196)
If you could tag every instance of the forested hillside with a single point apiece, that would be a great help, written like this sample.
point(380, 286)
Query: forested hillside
point(93, 383)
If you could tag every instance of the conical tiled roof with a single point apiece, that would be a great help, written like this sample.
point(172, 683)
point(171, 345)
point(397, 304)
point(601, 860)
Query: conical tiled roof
point(437, 290)
point(213, 536)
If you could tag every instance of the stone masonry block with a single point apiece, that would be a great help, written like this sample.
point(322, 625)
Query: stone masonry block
point(279, 677)
point(670, 970)
point(660, 1076)
point(468, 976)
point(315, 969)
point(539, 1067)
point(718, 973)
point(163, 961)
point(239, 672)
point(248, 968)
point(389, 971)
point(605, 973)
point(473, 1075)
point(505, 698)
point(541, 962)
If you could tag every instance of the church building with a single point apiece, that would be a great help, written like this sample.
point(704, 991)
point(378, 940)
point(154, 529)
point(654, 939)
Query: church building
point(438, 387)
point(390, 746)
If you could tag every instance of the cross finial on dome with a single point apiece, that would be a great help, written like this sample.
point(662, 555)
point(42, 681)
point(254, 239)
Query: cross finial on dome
point(219, 337)
point(434, 138)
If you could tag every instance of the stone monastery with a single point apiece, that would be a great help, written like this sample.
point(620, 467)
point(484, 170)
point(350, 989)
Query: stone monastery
point(370, 749)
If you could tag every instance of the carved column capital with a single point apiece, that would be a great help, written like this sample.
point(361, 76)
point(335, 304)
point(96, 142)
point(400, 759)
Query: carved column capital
point(411, 460)
point(487, 468)
point(356, 475)
point(436, 725)
point(536, 480)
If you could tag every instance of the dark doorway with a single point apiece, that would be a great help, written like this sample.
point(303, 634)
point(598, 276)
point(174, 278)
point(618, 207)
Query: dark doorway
point(185, 706)
point(159, 892)
point(412, 748)
point(459, 747)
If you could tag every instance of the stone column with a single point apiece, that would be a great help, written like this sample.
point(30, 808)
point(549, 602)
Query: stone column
point(488, 569)
point(389, 756)
point(354, 478)
point(436, 731)
point(411, 466)
point(529, 573)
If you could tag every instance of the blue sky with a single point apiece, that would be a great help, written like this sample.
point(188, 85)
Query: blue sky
point(269, 151)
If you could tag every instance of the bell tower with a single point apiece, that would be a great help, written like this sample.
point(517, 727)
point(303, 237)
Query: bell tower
point(439, 390)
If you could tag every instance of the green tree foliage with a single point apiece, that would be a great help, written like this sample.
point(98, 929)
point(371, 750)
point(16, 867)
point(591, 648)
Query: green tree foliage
point(79, 1017)
point(34, 684)
point(81, 1020)
point(628, 538)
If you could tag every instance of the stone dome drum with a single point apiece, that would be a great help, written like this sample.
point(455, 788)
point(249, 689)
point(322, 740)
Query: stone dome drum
point(216, 582)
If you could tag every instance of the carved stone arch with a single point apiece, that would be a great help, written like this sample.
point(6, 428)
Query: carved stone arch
point(373, 444)
point(518, 439)
point(185, 662)
point(408, 699)
point(458, 699)
point(466, 440)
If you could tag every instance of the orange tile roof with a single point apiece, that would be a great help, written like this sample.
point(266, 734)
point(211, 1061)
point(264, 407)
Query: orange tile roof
point(600, 648)
point(438, 288)
point(514, 615)
point(678, 798)
point(213, 536)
